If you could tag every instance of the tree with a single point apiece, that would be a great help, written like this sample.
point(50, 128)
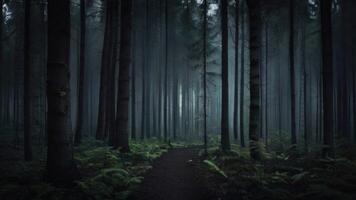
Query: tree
point(28, 89)
point(225, 140)
point(255, 45)
point(78, 132)
point(328, 81)
point(124, 76)
point(60, 165)
point(205, 23)
point(165, 103)
point(242, 82)
point(236, 101)
point(100, 131)
point(292, 71)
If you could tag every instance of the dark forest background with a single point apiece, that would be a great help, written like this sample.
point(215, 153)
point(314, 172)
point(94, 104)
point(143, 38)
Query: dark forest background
point(273, 79)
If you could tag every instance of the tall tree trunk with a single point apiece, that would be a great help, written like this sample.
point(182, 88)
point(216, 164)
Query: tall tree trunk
point(133, 82)
point(111, 101)
point(236, 98)
point(28, 83)
point(205, 73)
point(2, 90)
point(78, 131)
point(266, 77)
point(165, 106)
point(124, 76)
point(100, 132)
point(225, 140)
point(292, 71)
point(255, 82)
point(328, 83)
point(242, 81)
point(60, 163)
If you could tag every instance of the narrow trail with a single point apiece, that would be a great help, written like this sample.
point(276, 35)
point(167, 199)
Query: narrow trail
point(173, 177)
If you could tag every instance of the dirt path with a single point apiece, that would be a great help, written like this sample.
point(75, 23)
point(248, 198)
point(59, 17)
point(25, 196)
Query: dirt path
point(173, 177)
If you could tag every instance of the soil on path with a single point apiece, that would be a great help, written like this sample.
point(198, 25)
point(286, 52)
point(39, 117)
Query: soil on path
point(174, 177)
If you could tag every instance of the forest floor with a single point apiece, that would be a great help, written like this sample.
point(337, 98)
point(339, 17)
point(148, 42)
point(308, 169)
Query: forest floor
point(174, 177)
point(154, 170)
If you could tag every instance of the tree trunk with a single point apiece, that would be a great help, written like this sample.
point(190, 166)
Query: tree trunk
point(100, 132)
point(225, 140)
point(133, 85)
point(266, 77)
point(255, 108)
point(292, 71)
point(124, 76)
point(110, 128)
point(78, 131)
point(242, 83)
point(165, 106)
point(60, 163)
point(28, 83)
point(236, 100)
point(328, 94)
point(205, 73)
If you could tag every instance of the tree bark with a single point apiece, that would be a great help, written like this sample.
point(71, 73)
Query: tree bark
point(78, 132)
point(28, 85)
point(236, 100)
point(225, 140)
point(242, 82)
point(60, 163)
point(328, 82)
point(124, 76)
point(205, 73)
point(292, 71)
point(165, 106)
point(255, 82)
point(100, 132)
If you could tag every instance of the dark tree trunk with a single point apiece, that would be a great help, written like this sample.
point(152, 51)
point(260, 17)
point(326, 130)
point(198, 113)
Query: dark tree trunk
point(225, 140)
point(328, 94)
point(78, 131)
point(255, 82)
point(165, 104)
point(110, 128)
point(133, 85)
point(236, 98)
point(100, 132)
point(266, 77)
point(292, 71)
point(28, 83)
point(242, 83)
point(60, 163)
point(124, 76)
point(205, 73)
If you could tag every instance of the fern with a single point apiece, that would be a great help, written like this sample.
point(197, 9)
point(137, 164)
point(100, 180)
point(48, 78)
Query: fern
point(213, 167)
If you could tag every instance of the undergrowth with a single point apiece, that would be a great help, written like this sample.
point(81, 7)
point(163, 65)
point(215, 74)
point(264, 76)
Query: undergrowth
point(280, 176)
point(105, 173)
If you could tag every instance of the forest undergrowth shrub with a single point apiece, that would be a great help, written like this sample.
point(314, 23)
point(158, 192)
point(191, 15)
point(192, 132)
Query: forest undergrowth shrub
point(285, 174)
point(105, 173)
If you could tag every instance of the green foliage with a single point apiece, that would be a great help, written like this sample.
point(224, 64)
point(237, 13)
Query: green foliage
point(105, 173)
point(214, 168)
point(286, 174)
